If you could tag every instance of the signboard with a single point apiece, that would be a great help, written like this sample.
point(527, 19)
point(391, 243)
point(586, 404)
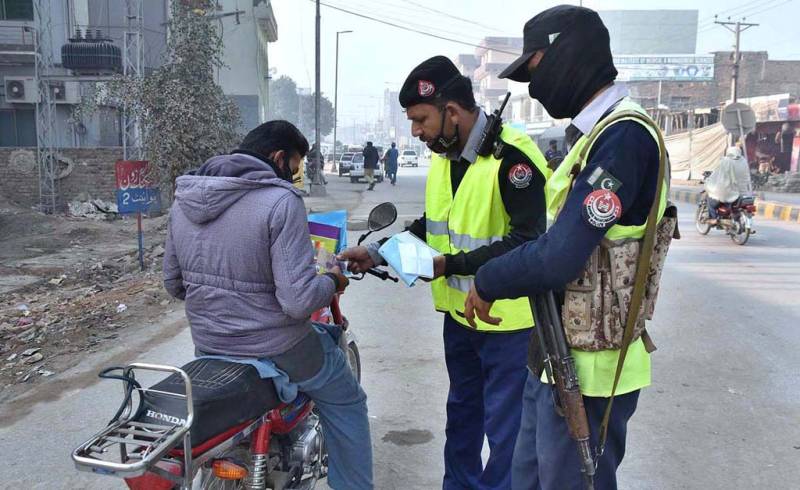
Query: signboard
point(677, 68)
point(136, 188)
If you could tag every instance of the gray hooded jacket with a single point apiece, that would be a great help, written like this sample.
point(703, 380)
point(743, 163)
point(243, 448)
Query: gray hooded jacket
point(239, 252)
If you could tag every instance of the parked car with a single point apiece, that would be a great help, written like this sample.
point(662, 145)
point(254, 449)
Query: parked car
point(408, 157)
point(345, 163)
point(357, 169)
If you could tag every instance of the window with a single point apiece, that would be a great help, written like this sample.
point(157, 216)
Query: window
point(410, 153)
point(16, 9)
point(17, 127)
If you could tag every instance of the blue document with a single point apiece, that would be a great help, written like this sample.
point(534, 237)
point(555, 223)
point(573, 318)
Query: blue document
point(410, 257)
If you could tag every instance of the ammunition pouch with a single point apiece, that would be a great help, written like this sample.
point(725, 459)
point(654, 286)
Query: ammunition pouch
point(596, 304)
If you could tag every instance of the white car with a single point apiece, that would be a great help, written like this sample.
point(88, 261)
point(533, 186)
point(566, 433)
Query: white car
point(408, 157)
point(357, 169)
point(345, 161)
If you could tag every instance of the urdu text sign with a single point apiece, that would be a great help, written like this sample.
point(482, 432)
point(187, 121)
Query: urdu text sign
point(136, 190)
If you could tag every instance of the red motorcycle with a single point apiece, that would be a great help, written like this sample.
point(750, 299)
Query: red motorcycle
point(239, 434)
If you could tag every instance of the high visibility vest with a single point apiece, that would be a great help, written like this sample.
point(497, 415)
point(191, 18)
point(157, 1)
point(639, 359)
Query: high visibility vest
point(596, 369)
point(472, 218)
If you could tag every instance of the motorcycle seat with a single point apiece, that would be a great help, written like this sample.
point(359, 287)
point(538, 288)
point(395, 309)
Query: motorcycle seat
point(224, 394)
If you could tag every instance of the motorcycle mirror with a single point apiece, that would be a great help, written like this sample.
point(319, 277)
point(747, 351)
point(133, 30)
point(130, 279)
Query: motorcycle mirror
point(381, 216)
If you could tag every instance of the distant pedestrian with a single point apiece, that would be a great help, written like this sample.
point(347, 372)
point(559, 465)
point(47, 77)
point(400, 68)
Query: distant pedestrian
point(371, 158)
point(390, 163)
point(553, 151)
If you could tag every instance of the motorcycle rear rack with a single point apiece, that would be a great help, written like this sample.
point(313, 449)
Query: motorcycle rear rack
point(128, 448)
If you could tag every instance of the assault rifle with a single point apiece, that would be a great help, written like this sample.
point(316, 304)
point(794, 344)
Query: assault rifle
point(494, 124)
point(560, 369)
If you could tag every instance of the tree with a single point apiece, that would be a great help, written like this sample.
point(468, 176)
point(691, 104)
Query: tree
point(186, 117)
point(283, 100)
point(306, 123)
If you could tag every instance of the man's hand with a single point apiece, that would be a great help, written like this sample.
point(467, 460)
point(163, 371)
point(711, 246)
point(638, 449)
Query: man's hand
point(439, 263)
point(475, 304)
point(342, 280)
point(358, 259)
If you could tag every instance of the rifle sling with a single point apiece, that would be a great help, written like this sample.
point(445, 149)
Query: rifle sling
point(642, 266)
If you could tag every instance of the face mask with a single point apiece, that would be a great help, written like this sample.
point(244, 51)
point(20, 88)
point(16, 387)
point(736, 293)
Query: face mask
point(574, 68)
point(442, 144)
point(283, 172)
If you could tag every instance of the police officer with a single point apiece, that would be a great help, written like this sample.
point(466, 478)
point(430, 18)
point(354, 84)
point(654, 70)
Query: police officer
point(568, 65)
point(477, 206)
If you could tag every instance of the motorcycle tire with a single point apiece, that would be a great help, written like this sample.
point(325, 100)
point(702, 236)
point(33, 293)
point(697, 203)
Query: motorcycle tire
point(743, 235)
point(354, 359)
point(702, 226)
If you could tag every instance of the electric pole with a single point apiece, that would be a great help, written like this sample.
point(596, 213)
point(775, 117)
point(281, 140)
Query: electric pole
point(317, 188)
point(736, 28)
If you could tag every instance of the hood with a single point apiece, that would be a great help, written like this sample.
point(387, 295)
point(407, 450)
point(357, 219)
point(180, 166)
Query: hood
point(222, 181)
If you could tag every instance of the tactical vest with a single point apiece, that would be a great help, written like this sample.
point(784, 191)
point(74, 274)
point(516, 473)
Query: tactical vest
point(472, 218)
point(596, 303)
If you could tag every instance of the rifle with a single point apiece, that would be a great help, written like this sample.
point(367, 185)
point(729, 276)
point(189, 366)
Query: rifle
point(494, 123)
point(560, 369)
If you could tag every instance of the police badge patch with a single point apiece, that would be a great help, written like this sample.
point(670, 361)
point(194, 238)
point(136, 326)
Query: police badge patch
point(601, 208)
point(520, 175)
point(425, 88)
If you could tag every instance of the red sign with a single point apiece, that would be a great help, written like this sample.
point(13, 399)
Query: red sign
point(133, 174)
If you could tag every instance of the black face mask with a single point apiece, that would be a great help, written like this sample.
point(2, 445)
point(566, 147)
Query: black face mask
point(574, 68)
point(283, 172)
point(442, 144)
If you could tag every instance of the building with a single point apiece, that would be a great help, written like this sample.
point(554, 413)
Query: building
point(397, 126)
point(493, 55)
point(247, 28)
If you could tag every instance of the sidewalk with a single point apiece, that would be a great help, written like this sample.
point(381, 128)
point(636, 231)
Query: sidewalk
point(770, 205)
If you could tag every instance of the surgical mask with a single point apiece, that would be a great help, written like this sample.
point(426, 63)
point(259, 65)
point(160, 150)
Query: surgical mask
point(441, 144)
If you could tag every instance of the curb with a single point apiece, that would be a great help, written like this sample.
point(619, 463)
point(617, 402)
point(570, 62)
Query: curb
point(765, 209)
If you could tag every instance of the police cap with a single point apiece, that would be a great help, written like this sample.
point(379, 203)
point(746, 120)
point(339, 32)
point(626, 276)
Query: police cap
point(543, 29)
point(430, 80)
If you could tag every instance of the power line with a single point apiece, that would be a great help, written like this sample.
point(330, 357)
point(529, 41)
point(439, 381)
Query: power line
point(468, 21)
point(443, 38)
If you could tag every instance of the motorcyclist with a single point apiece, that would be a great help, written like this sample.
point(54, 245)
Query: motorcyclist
point(239, 253)
point(729, 182)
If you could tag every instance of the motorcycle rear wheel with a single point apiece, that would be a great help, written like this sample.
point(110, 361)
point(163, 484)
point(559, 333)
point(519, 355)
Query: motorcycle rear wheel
point(700, 217)
point(743, 235)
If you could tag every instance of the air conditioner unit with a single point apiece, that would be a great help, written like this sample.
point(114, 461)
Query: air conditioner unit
point(21, 90)
point(65, 92)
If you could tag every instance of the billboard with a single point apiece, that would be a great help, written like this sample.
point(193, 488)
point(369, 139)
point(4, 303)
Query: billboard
point(686, 68)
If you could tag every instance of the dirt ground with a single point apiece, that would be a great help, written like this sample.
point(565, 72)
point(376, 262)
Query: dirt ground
point(69, 286)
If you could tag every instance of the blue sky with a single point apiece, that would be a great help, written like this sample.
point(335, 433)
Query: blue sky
point(376, 56)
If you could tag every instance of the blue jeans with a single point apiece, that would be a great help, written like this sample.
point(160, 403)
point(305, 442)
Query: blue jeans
point(342, 407)
point(487, 375)
point(546, 458)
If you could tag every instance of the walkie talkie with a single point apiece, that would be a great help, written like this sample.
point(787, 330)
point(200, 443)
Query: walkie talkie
point(492, 129)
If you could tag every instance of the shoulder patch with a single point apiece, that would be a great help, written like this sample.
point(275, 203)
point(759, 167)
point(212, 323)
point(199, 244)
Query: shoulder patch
point(520, 175)
point(601, 208)
point(600, 179)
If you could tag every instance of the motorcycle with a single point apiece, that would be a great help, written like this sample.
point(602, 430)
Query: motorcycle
point(239, 434)
point(735, 219)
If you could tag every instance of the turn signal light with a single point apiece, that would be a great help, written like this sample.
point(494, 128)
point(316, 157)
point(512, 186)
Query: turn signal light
point(226, 470)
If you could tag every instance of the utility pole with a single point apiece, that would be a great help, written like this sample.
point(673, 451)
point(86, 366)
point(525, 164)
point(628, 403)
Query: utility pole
point(336, 97)
point(317, 189)
point(736, 28)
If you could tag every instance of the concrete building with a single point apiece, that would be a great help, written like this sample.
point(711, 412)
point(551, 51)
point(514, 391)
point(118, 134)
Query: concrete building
point(493, 55)
point(398, 127)
point(246, 34)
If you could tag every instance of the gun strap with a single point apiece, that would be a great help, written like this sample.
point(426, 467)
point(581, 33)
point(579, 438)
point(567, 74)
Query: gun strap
point(642, 266)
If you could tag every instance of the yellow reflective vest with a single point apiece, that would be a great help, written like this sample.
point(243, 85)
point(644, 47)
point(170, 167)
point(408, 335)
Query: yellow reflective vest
point(596, 369)
point(472, 218)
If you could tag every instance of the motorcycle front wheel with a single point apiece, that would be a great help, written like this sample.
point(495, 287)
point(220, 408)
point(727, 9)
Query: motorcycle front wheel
point(701, 219)
point(742, 231)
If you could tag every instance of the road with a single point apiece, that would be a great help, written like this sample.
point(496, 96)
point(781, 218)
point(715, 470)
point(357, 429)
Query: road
point(722, 412)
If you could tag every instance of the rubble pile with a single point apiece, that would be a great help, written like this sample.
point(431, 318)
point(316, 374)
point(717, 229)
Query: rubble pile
point(74, 312)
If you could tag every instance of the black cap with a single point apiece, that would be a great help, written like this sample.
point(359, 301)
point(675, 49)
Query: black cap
point(542, 31)
point(430, 80)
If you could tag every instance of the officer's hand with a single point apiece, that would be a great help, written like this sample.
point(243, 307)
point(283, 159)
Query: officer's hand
point(439, 263)
point(476, 305)
point(358, 259)
point(342, 282)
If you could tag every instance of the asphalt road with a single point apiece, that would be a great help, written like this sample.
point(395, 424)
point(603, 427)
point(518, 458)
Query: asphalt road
point(722, 413)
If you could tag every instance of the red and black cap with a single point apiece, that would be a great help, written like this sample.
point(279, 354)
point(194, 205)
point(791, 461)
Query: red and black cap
point(430, 80)
point(542, 31)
